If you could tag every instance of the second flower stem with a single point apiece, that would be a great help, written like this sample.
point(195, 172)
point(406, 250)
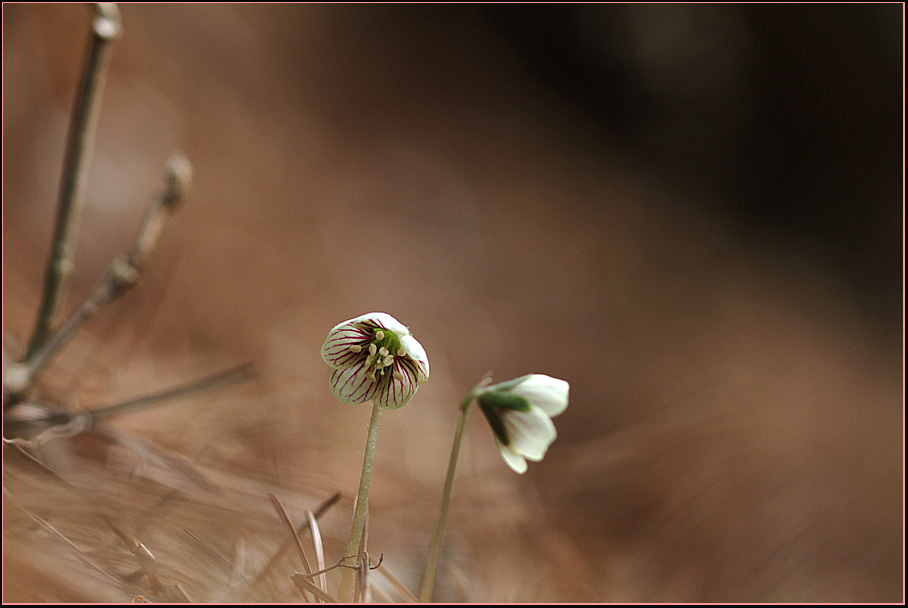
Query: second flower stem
point(348, 578)
point(428, 579)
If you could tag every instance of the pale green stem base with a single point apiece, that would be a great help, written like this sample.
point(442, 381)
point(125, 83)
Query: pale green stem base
point(351, 557)
point(428, 579)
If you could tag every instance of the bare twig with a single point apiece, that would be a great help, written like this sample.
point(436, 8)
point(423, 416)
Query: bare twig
point(105, 29)
point(67, 424)
point(123, 273)
point(60, 426)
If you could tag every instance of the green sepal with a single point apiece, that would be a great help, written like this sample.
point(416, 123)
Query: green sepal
point(506, 386)
point(504, 400)
point(491, 402)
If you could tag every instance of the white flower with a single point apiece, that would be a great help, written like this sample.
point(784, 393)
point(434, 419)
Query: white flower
point(520, 413)
point(375, 357)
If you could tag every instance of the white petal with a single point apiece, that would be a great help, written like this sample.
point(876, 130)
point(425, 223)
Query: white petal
point(395, 392)
point(530, 433)
point(547, 393)
point(353, 385)
point(512, 458)
point(336, 349)
point(417, 353)
point(381, 319)
point(348, 323)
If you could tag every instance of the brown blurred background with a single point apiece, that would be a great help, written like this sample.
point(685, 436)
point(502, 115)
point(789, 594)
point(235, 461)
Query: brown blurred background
point(692, 213)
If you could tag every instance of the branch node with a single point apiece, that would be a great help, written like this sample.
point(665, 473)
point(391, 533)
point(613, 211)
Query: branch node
point(123, 273)
point(179, 178)
point(107, 24)
point(16, 379)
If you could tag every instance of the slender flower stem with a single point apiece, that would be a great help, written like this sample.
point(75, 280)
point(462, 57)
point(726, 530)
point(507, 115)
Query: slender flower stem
point(105, 29)
point(428, 579)
point(351, 557)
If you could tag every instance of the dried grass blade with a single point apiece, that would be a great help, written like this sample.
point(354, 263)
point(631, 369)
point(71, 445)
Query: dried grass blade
point(322, 509)
point(363, 591)
point(146, 448)
point(303, 585)
point(282, 513)
point(182, 592)
point(37, 462)
point(319, 548)
point(210, 551)
point(408, 595)
point(383, 597)
point(50, 528)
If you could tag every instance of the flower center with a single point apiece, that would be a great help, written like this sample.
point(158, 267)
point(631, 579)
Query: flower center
point(381, 352)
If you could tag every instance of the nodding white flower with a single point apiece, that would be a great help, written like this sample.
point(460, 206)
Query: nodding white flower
point(375, 357)
point(520, 413)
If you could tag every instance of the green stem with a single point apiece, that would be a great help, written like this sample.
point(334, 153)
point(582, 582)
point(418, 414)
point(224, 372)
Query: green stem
point(428, 579)
point(351, 557)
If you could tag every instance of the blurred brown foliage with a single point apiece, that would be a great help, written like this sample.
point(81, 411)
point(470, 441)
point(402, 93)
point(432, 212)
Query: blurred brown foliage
point(735, 426)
